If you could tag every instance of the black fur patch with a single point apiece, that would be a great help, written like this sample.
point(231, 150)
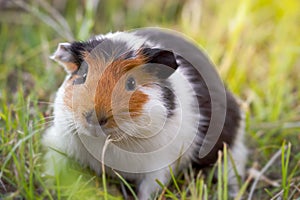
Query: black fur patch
point(78, 48)
point(232, 118)
point(129, 55)
point(168, 97)
point(162, 62)
point(82, 72)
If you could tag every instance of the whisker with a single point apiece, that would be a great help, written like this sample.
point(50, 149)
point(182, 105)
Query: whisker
point(124, 139)
point(45, 118)
point(51, 103)
point(45, 102)
point(41, 125)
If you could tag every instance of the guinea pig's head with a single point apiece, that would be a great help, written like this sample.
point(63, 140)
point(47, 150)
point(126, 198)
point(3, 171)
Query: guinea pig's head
point(116, 85)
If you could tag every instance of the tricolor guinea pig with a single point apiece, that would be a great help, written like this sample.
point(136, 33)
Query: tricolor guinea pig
point(158, 100)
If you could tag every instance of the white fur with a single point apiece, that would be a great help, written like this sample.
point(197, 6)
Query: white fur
point(239, 154)
point(133, 42)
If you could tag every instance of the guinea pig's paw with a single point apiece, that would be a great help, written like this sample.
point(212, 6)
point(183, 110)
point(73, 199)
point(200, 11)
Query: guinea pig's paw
point(147, 190)
point(148, 187)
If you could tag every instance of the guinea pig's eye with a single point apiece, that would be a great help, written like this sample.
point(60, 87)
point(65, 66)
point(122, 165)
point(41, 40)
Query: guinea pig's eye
point(130, 84)
point(79, 80)
point(82, 73)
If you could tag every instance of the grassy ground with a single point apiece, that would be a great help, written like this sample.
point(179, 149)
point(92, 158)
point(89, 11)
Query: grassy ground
point(254, 44)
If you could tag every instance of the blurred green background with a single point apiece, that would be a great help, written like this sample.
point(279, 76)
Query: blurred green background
point(255, 45)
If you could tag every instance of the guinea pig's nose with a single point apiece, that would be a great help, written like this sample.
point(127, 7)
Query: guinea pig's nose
point(102, 121)
point(90, 116)
point(92, 119)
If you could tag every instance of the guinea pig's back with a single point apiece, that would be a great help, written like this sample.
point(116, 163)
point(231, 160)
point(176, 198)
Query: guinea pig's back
point(208, 87)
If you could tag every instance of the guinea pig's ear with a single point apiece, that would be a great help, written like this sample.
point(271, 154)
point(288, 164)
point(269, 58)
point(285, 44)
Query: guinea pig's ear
point(164, 62)
point(64, 57)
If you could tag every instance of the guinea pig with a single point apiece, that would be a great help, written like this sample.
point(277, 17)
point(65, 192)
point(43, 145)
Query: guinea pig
point(155, 97)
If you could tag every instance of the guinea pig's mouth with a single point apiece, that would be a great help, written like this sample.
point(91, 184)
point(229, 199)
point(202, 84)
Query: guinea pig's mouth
point(97, 130)
point(92, 130)
point(119, 126)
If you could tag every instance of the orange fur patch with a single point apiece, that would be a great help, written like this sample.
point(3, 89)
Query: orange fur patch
point(68, 98)
point(136, 103)
point(70, 66)
point(111, 92)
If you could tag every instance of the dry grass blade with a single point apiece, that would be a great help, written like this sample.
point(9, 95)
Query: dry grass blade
point(264, 169)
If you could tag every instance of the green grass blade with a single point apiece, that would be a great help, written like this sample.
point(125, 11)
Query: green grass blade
point(127, 185)
point(174, 180)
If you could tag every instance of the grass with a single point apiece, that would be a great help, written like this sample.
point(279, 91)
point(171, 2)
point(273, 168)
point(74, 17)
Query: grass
point(254, 44)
